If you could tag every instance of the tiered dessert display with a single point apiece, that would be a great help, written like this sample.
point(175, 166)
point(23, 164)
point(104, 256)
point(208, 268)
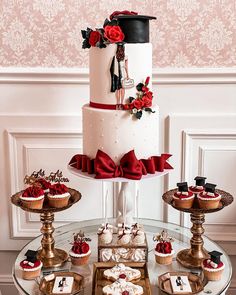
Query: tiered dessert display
point(189, 200)
point(37, 198)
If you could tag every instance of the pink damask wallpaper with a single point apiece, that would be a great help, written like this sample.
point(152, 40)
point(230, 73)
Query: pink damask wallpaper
point(187, 33)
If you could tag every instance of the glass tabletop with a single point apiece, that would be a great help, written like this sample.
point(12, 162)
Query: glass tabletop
point(64, 236)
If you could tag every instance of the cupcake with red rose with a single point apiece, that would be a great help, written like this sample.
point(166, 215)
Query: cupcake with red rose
point(45, 185)
point(183, 198)
point(80, 250)
point(58, 195)
point(213, 267)
point(209, 199)
point(163, 250)
point(32, 197)
point(31, 266)
point(199, 185)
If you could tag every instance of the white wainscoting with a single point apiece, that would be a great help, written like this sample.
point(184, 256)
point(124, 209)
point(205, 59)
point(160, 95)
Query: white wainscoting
point(40, 127)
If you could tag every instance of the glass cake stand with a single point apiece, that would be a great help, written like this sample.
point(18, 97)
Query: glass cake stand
point(124, 198)
point(64, 235)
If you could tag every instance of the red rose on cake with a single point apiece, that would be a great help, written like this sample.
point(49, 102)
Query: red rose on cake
point(138, 104)
point(163, 250)
point(45, 185)
point(113, 34)
point(58, 196)
point(33, 197)
point(94, 38)
point(147, 102)
point(80, 250)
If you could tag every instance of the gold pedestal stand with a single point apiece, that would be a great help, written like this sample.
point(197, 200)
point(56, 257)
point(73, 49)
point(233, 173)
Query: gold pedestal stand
point(193, 257)
point(48, 254)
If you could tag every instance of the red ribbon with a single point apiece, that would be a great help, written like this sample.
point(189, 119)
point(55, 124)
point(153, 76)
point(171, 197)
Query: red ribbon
point(130, 167)
point(102, 106)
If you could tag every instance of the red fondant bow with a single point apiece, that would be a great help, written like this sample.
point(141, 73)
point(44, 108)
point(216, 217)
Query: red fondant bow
point(130, 167)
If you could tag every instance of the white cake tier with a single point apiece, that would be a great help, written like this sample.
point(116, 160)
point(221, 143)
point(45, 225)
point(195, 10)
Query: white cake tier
point(117, 132)
point(139, 68)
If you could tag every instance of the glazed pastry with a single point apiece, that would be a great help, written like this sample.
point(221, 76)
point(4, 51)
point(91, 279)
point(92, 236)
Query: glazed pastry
point(105, 234)
point(209, 199)
point(124, 237)
point(129, 274)
point(80, 250)
point(199, 185)
point(183, 198)
point(213, 267)
point(122, 287)
point(58, 195)
point(33, 197)
point(45, 185)
point(138, 237)
point(163, 250)
point(31, 266)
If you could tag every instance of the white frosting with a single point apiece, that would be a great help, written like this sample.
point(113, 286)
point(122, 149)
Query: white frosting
point(139, 68)
point(182, 199)
point(117, 132)
point(119, 269)
point(138, 238)
point(106, 236)
point(214, 269)
point(205, 197)
point(31, 198)
point(164, 255)
point(122, 254)
point(120, 286)
point(61, 196)
point(33, 268)
point(71, 253)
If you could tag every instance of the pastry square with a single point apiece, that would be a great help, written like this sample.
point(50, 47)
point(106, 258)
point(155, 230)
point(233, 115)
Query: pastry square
point(121, 271)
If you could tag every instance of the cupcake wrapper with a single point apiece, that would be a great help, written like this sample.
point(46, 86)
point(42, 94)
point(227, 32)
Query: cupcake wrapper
point(182, 203)
point(30, 275)
point(213, 276)
point(164, 260)
point(58, 203)
point(37, 204)
point(80, 260)
point(208, 204)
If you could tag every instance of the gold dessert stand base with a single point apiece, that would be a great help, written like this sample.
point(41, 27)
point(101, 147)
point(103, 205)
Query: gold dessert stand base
point(193, 257)
point(49, 255)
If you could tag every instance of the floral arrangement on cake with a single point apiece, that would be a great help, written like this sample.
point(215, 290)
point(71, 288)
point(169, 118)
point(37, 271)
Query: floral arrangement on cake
point(108, 34)
point(80, 250)
point(142, 102)
point(163, 250)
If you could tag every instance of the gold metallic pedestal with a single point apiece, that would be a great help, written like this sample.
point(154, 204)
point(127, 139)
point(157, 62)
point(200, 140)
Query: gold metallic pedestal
point(193, 257)
point(49, 255)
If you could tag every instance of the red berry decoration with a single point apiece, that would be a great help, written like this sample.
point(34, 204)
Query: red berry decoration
point(122, 276)
point(125, 293)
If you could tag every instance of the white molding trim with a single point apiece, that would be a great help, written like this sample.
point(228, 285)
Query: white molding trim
point(6, 279)
point(161, 76)
point(17, 231)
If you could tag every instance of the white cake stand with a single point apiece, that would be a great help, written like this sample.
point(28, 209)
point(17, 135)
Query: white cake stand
point(124, 199)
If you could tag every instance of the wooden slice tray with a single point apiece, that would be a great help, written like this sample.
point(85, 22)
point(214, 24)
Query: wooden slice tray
point(99, 281)
point(46, 286)
point(195, 281)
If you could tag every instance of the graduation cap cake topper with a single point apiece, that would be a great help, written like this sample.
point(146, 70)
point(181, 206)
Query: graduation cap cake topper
point(210, 187)
point(135, 27)
point(215, 256)
point(31, 256)
point(182, 186)
point(200, 180)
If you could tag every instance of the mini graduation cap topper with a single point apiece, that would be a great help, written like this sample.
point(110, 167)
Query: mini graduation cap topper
point(182, 186)
point(31, 256)
point(210, 187)
point(215, 256)
point(200, 180)
point(135, 27)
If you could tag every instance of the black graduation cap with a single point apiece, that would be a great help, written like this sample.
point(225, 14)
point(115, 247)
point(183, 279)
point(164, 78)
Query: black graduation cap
point(183, 186)
point(200, 180)
point(215, 256)
point(210, 187)
point(135, 27)
point(31, 256)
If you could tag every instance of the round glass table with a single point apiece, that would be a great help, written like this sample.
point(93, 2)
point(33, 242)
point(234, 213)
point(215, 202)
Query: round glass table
point(64, 236)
